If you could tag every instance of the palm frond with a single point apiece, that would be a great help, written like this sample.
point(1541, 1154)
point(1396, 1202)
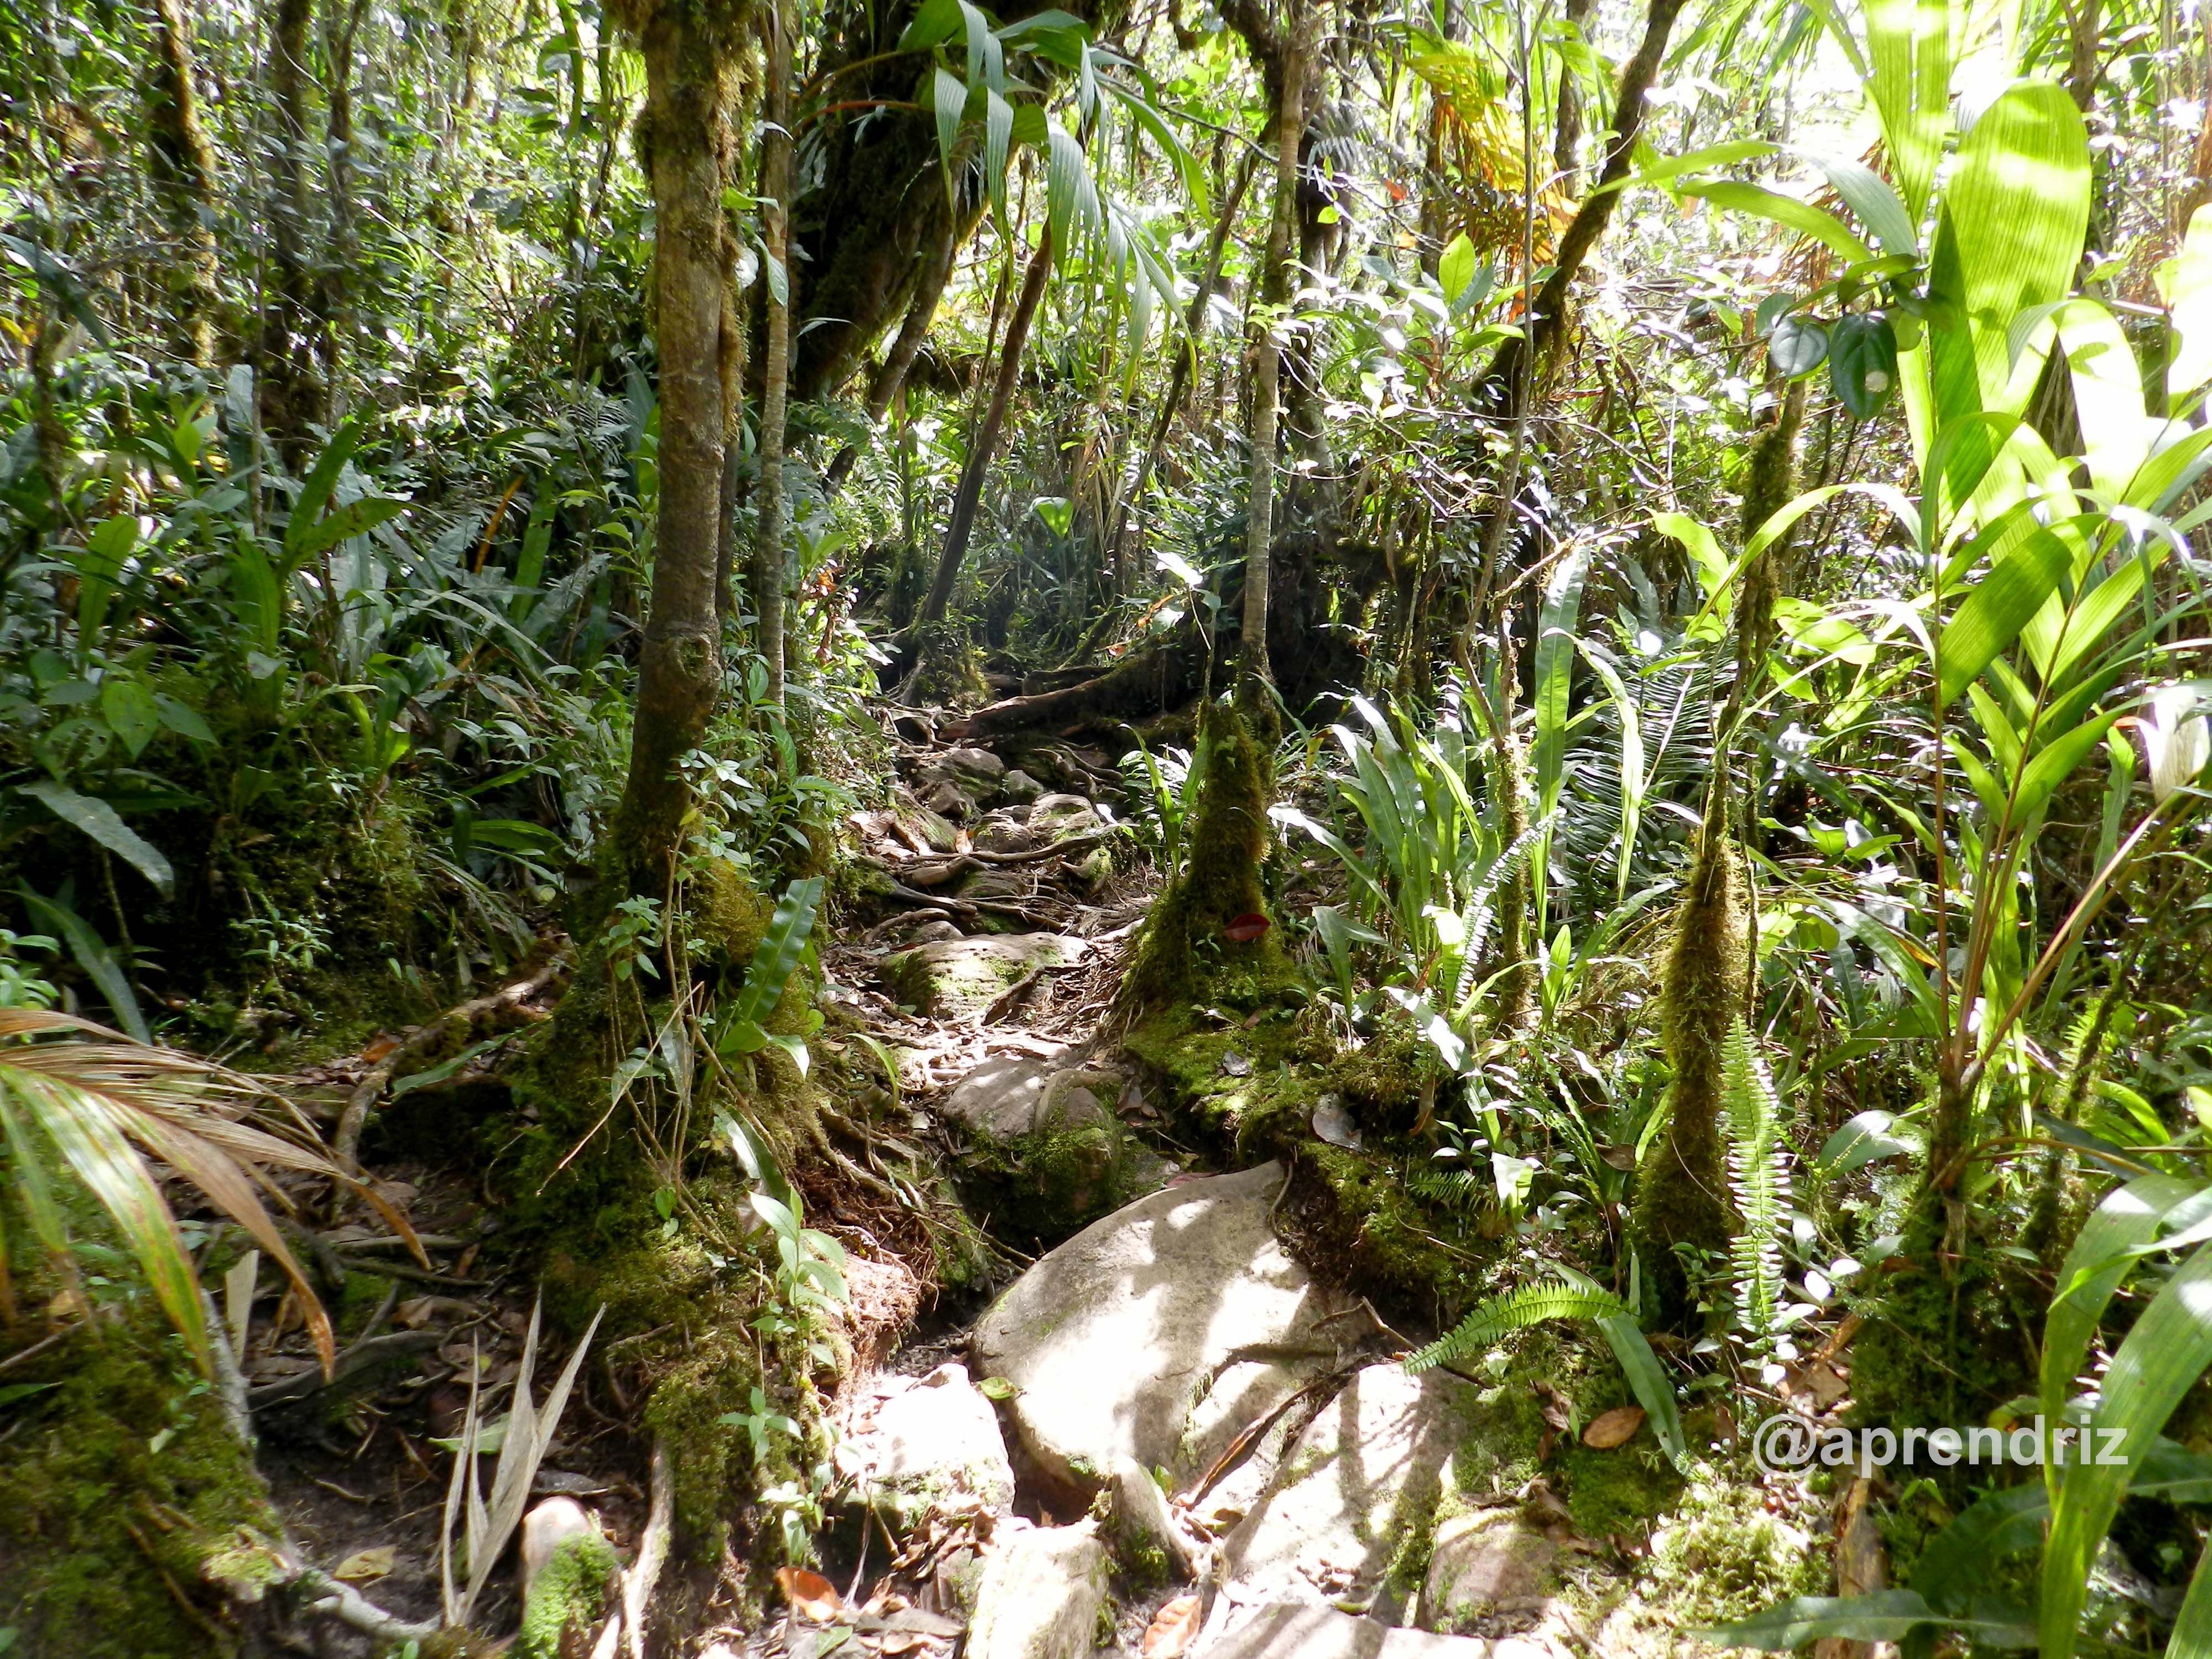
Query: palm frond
point(104, 1104)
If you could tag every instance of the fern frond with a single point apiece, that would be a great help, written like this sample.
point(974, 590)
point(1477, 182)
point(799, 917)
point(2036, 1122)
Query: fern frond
point(1758, 1177)
point(1516, 1311)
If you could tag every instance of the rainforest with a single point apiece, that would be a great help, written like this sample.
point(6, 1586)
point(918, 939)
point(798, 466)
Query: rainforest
point(1356, 828)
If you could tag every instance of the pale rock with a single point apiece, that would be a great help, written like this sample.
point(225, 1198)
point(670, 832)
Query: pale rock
point(1003, 832)
point(978, 763)
point(1019, 785)
point(1040, 1593)
point(959, 979)
point(928, 1445)
point(1280, 1630)
point(1367, 1470)
point(1159, 1333)
point(543, 1530)
point(1058, 818)
point(1006, 1098)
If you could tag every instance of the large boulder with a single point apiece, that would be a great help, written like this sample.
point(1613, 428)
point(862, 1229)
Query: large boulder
point(927, 1446)
point(1041, 1591)
point(1160, 1333)
point(1363, 1473)
point(1047, 1153)
point(960, 978)
point(1059, 817)
point(1283, 1629)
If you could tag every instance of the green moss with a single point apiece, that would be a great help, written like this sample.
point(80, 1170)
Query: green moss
point(1184, 951)
point(1680, 1188)
point(1621, 1491)
point(129, 1515)
point(569, 1594)
point(1724, 1556)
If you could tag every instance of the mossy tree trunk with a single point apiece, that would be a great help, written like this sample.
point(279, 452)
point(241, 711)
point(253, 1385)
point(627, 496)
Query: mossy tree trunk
point(679, 665)
point(183, 170)
point(1681, 1193)
point(775, 191)
point(982, 447)
point(291, 346)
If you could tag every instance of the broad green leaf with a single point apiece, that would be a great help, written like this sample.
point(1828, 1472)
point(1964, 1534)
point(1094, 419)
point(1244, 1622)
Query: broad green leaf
point(1869, 195)
point(315, 494)
point(1069, 196)
point(354, 519)
point(1648, 1381)
point(1867, 1138)
point(1797, 347)
point(949, 98)
point(1555, 662)
point(1456, 268)
point(1704, 548)
point(2055, 764)
point(1908, 54)
point(2185, 283)
point(998, 138)
point(1998, 607)
point(1788, 211)
point(776, 958)
point(2130, 1215)
point(2166, 1351)
point(2117, 435)
point(101, 821)
point(181, 718)
point(1881, 1616)
point(100, 572)
point(935, 22)
point(129, 709)
point(1862, 363)
point(2017, 205)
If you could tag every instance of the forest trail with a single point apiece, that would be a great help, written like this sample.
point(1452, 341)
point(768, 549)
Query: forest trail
point(1165, 1426)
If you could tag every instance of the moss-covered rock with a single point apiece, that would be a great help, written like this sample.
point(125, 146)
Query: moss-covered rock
point(570, 1595)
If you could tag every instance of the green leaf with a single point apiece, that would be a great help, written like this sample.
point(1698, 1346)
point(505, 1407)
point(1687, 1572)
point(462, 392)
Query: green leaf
point(1869, 195)
point(2185, 284)
point(101, 821)
point(776, 958)
point(948, 97)
point(1998, 607)
point(1456, 268)
point(1555, 662)
point(1788, 211)
point(998, 138)
point(92, 955)
point(99, 569)
point(1797, 347)
point(182, 719)
point(1862, 363)
point(1883, 1616)
point(2166, 1351)
point(1069, 193)
point(1647, 1382)
point(1908, 54)
point(315, 494)
point(1516, 1311)
point(2018, 199)
point(128, 707)
point(1867, 1138)
point(2130, 1215)
point(354, 519)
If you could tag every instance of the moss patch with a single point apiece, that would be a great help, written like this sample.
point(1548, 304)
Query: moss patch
point(130, 1515)
point(568, 1594)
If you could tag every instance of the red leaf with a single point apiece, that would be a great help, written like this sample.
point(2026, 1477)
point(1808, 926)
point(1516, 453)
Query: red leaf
point(1243, 930)
point(1172, 1628)
point(812, 1597)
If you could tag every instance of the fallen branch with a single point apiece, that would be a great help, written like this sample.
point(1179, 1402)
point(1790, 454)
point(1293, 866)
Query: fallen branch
point(359, 1358)
point(501, 1009)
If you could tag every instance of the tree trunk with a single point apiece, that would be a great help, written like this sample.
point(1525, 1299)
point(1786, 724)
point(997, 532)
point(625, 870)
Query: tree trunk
point(985, 444)
point(345, 242)
point(1267, 365)
point(679, 663)
point(291, 344)
point(1179, 377)
point(1568, 135)
point(184, 172)
point(1502, 379)
point(890, 373)
point(775, 191)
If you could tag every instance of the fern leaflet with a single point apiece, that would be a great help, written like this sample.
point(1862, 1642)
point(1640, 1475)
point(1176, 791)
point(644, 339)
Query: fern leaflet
point(1516, 1311)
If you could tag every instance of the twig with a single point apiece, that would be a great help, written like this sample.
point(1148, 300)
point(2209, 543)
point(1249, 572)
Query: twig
point(36, 1348)
point(356, 1359)
point(652, 1552)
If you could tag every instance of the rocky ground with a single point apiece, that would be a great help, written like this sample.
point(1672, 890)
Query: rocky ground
point(1163, 1432)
